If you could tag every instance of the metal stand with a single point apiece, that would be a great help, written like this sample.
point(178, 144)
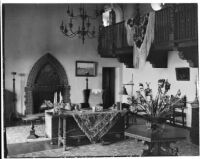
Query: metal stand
point(86, 94)
point(13, 113)
point(132, 84)
point(22, 83)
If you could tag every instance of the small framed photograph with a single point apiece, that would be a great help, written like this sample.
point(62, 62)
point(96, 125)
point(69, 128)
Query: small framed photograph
point(85, 68)
point(183, 74)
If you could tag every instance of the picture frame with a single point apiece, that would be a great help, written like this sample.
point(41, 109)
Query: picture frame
point(183, 74)
point(86, 68)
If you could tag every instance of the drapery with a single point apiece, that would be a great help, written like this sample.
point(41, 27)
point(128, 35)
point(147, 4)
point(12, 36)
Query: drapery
point(140, 52)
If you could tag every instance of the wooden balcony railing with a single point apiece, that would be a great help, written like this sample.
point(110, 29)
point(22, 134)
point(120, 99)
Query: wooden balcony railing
point(185, 22)
point(163, 26)
point(175, 26)
point(112, 39)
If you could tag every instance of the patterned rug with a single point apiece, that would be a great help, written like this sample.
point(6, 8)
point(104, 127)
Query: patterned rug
point(19, 134)
point(128, 147)
point(122, 148)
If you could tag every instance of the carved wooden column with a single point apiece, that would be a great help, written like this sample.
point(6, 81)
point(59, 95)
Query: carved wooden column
point(66, 93)
point(28, 100)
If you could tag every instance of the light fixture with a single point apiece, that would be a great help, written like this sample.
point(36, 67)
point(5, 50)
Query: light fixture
point(157, 6)
point(124, 91)
point(83, 29)
point(130, 83)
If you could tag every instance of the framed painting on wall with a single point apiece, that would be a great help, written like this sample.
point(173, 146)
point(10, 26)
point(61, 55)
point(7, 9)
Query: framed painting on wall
point(183, 74)
point(85, 68)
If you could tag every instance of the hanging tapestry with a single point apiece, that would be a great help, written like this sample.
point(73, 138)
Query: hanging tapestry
point(140, 35)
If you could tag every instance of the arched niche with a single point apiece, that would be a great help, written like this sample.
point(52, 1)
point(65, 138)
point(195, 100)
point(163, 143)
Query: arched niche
point(46, 76)
point(117, 9)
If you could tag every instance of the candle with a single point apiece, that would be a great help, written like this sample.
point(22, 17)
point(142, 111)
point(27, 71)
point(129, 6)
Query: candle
point(60, 97)
point(54, 100)
point(55, 97)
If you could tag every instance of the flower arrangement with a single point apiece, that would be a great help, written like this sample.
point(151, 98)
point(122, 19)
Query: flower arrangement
point(159, 108)
point(132, 101)
point(58, 107)
point(46, 105)
point(49, 105)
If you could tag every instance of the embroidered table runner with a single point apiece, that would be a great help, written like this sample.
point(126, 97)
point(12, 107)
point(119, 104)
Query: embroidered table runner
point(96, 124)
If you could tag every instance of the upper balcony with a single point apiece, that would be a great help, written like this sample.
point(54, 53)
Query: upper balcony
point(175, 28)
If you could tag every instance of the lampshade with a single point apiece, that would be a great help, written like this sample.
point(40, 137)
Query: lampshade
point(124, 91)
point(157, 6)
point(130, 83)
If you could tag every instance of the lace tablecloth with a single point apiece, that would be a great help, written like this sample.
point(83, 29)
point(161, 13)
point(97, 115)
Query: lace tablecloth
point(96, 124)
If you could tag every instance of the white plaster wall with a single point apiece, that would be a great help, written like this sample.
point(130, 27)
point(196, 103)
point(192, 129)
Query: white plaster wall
point(149, 74)
point(33, 30)
point(129, 11)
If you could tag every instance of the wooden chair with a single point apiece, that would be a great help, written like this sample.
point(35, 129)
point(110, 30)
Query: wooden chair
point(131, 116)
point(179, 114)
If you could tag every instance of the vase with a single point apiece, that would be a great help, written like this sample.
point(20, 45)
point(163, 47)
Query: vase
point(86, 95)
point(155, 124)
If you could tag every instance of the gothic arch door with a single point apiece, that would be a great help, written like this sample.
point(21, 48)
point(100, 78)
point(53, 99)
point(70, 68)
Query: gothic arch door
point(46, 76)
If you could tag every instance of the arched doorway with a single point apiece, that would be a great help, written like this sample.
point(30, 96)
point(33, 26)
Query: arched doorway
point(46, 77)
point(107, 14)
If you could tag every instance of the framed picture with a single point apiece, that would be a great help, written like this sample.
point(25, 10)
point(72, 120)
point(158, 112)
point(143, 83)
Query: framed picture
point(85, 68)
point(183, 74)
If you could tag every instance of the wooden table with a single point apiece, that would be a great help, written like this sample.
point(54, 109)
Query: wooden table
point(68, 127)
point(158, 144)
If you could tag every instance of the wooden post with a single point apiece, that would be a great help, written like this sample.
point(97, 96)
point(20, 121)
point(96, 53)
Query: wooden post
point(59, 131)
point(64, 133)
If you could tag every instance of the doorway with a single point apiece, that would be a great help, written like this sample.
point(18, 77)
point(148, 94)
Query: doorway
point(108, 86)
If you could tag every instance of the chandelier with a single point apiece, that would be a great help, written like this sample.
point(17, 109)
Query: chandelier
point(84, 29)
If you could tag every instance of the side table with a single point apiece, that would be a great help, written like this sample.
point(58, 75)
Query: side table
point(32, 118)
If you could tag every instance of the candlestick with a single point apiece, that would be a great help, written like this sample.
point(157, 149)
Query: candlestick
point(14, 95)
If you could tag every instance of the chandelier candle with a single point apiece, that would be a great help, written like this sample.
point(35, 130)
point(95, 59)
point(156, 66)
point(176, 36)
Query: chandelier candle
point(84, 28)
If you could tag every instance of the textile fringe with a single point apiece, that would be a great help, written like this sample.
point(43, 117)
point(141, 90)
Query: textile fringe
point(140, 54)
point(101, 128)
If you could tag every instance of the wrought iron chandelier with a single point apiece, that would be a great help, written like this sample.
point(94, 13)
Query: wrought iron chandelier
point(84, 30)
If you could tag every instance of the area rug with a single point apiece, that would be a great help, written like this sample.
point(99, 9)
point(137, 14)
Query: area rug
point(124, 148)
point(19, 134)
point(130, 147)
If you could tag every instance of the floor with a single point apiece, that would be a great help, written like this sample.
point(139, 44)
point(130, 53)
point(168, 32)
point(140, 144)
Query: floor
point(20, 146)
